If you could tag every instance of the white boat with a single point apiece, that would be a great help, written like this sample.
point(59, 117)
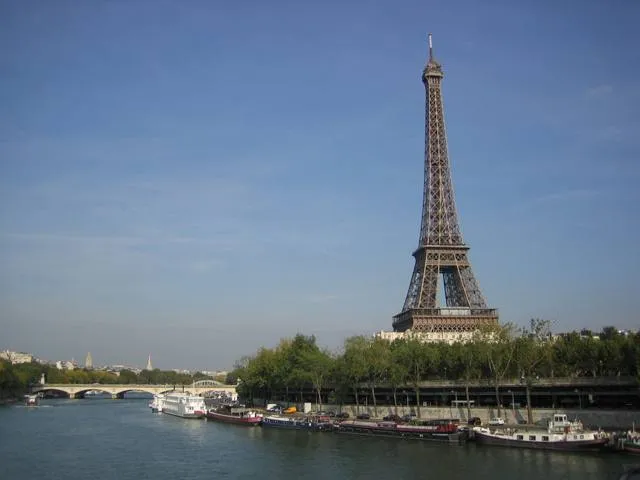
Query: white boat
point(184, 405)
point(560, 434)
point(157, 403)
point(31, 400)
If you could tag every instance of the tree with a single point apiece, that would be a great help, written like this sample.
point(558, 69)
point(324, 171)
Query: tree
point(397, 374)
point(498, 351)
point(530, 351)
point(320, 367)
point(355, 364)
point(416, 357)
point(378, 358)
point(469, 360)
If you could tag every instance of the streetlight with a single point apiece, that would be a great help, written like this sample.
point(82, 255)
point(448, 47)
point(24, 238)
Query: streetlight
point(456, 394)
point(513, 402)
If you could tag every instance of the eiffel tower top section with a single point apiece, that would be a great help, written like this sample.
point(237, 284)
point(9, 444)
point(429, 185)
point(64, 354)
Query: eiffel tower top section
point(432, 68)
point(439, 225)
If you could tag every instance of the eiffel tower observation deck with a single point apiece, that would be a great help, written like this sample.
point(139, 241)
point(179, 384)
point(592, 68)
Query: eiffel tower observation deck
point(442, 253)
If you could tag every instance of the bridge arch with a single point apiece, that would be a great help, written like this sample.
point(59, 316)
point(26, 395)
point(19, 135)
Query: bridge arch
point(57, 390)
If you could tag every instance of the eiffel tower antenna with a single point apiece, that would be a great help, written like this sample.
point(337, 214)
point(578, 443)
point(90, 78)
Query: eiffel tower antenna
point(441, 250)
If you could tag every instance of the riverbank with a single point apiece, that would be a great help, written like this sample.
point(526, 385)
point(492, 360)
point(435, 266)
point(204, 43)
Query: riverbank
point(606, 419)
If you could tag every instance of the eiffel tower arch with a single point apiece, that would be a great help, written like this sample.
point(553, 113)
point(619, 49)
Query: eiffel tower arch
point(441, 253)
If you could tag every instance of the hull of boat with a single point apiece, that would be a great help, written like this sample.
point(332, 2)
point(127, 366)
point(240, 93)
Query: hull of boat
point(195, 415)
point(631, 448)
point(407, 433)
point(567, 446)
point(234, 419)
point(288, 424)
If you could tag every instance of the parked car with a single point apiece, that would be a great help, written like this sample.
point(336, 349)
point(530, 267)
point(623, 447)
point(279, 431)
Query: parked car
point(276, 409)
point(342, 415)
point(474, 422)
point(363, 416)
point(392, 418)
point(495, 421)
point(409, 416)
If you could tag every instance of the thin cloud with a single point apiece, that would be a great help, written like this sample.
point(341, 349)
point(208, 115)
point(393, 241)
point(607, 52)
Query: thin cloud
point(566, 195)
point(599, 91)
point(323, 297)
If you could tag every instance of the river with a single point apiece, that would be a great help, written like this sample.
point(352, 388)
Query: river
point(121, 439)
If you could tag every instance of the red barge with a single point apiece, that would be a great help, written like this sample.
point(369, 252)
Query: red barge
point(238, 416)
point(444, 430)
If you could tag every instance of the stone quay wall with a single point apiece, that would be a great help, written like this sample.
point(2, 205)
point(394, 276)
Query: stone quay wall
point(594, 418)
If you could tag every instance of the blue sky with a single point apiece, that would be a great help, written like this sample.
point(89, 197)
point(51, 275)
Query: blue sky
point(197, 179)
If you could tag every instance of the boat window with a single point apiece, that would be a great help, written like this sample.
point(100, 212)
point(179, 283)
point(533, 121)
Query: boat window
point(532, 437)
point(520, 437)
point(581, 437)
point(545, 438)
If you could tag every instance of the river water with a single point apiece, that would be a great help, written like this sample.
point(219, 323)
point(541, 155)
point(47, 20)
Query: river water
point(122, 439)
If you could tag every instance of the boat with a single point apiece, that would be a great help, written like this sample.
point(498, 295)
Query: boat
point(184, 405)
point(157, 403)
point(31, 400)
point(440, 430)
point(94, 393)
point(631, 445)
point(560, 434)
point(307, 422)
point(238, 416)
point(277, 421)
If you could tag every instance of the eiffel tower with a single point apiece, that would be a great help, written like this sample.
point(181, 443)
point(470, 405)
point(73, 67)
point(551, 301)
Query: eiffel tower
point(441, 250)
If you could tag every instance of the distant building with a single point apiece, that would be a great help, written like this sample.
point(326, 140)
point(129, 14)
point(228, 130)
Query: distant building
point(214, 373)
point(88, 362)
point(65, 365)
point(16, 357)
point(149, 366)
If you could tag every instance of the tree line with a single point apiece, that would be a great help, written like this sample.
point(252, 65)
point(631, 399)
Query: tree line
point(495, 354)
point(15, 380)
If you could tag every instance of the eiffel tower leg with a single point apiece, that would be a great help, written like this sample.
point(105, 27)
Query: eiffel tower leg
point(476, 300)
point(454, 290)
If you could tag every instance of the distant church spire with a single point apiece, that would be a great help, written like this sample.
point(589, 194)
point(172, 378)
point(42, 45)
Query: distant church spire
point(149, 366)
point(88, 362)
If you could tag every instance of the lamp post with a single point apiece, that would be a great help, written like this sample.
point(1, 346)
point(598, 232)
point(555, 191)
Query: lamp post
point(456, 394)
point(513, 403)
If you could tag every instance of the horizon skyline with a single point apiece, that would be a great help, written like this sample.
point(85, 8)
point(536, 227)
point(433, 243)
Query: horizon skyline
point(201, 181)
point(228, 369)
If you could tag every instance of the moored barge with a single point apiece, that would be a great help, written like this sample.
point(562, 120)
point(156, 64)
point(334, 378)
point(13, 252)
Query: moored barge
point(237, 416)
point(444, 430)
point(309, 422)
point(632, 446)
point(275, 421)
point(560, 434)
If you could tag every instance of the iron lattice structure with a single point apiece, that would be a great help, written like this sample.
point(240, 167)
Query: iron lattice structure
point(441, 250)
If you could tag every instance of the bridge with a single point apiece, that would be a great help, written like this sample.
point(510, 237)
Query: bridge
point(77, 390)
